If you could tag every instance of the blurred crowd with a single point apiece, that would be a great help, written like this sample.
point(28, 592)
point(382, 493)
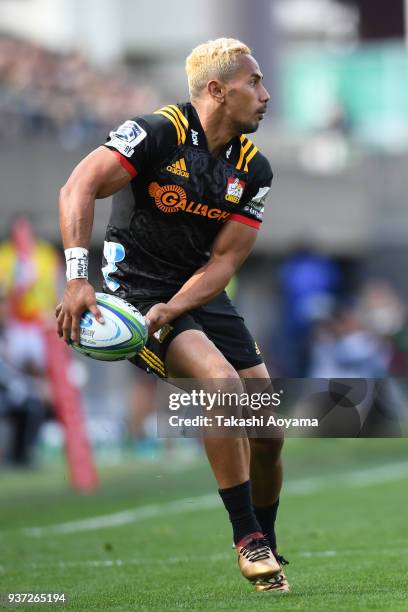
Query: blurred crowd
point(44, 91)
point(325, 329)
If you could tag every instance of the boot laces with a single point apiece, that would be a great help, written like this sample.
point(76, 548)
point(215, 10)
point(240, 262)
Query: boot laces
point(256, 550)
point(281, 560)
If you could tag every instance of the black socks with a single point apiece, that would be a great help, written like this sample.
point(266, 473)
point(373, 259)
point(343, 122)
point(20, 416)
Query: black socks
point(245, 518)
point(238, 503)
point(266, 517)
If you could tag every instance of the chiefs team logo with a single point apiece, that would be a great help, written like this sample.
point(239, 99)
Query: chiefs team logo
point(235, 189)
point(169, 198)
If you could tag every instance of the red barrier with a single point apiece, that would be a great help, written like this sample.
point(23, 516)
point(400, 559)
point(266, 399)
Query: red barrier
point(67, 404)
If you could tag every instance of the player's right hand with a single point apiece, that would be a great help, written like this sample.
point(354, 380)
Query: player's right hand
point(79, 295)
point(158, 315)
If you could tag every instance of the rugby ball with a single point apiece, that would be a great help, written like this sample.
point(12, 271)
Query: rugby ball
point(122, 336)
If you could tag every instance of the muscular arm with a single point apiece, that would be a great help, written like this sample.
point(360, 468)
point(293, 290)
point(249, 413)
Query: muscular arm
point(231, 247)
point(99, 175)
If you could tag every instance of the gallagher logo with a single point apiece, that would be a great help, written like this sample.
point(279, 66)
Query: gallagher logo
point(168, 198)
point(235, 189)
point(172, 199)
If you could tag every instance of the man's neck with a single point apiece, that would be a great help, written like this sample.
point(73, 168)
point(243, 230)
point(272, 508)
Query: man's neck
point(217, 129)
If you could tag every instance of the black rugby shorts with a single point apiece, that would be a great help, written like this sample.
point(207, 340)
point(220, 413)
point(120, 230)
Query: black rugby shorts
point(219, 321)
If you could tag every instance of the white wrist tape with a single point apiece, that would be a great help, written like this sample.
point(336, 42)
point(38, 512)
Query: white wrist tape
point(77, 263)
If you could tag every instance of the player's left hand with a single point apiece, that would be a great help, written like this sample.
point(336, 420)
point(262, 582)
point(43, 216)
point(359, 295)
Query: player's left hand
point(158, 315)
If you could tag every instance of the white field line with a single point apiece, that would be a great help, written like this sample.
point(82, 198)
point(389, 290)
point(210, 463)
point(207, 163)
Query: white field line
point(367, 477)
point(359, 478)
point(101, 563)
point(117, 519)
point(318, 553)
point(135, 561)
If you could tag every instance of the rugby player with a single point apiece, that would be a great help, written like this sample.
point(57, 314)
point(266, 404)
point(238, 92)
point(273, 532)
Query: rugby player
point(189, 190)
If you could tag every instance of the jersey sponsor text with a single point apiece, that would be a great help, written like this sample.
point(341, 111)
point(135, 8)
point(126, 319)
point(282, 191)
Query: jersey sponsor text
point(173, 198)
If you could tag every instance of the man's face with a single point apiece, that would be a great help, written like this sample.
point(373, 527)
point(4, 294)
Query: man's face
point(246, 98)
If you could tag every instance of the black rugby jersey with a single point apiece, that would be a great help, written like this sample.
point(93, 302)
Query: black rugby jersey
point(164, 221)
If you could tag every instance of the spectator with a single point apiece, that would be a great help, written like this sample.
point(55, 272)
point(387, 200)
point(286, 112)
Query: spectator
point(29, 271)
point(309, 283)
point(344, 348)
point(21, 403)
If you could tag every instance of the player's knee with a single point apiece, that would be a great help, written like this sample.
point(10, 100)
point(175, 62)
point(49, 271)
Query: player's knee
point(272, 447)
point(222, 370)
point(227, 372)
point(222, 378)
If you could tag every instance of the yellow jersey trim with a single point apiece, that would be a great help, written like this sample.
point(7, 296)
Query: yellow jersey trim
point(249, 157)
point(178, 112)
point(178, 120)
point(176, 124)
point(244, 148)
point(248, 151)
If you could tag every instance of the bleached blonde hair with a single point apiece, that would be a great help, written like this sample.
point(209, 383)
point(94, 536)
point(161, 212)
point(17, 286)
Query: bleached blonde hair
point(215, 59)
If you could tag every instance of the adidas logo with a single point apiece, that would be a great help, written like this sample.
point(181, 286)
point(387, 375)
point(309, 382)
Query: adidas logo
point(179, 168)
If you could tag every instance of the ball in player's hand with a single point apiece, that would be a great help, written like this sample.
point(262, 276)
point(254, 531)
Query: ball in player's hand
point(122, 335)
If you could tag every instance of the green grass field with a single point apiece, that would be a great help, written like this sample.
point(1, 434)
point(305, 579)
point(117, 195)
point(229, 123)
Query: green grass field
point(342, 524)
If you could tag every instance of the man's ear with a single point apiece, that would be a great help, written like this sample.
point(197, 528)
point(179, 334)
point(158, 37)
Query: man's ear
point(216, 91)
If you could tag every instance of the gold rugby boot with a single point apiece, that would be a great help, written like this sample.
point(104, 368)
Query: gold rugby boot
point(276, 584)
point(255, 558)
